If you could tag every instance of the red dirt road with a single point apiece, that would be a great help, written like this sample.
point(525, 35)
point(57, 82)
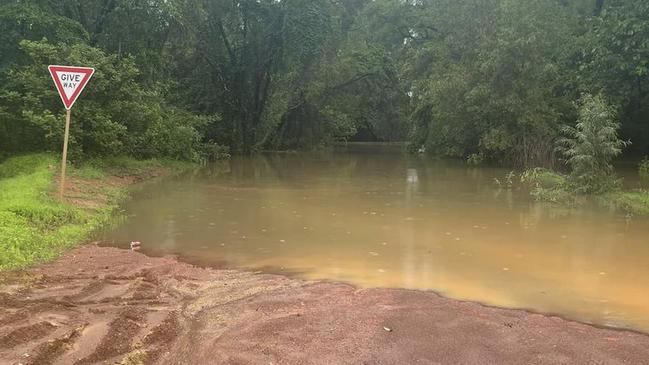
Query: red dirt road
point(109, 306)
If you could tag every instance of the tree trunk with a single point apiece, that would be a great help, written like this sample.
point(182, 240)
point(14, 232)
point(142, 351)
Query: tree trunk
point(599, 5)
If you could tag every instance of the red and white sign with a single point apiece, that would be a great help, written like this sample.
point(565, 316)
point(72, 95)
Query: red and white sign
point(70, 81)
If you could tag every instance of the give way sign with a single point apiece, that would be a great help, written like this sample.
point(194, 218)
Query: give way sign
point(70, 81)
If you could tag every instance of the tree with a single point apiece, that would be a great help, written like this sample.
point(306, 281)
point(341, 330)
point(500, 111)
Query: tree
point(489, 78)
point(591, 145)
point(616, 63)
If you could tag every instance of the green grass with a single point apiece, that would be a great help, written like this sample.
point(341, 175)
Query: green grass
point(96, 168)
point(35, 227)
point(635, 202)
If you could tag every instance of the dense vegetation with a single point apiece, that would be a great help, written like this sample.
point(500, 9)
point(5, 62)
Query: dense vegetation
point(487, 80)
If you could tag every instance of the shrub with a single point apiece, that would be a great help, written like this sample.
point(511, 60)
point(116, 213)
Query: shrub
point(166, 138)
point(643, 168)
point(475, 159)
point(507, 182)
point(213, 151)
point(591, 145)
point(547, 185)
point(542, 178)
point(633, 202)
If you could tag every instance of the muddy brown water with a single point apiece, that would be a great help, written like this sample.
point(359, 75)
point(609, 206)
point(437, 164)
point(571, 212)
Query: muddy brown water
point(375, 217)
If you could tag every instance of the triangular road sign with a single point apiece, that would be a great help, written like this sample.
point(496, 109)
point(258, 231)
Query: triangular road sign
point(70, 81)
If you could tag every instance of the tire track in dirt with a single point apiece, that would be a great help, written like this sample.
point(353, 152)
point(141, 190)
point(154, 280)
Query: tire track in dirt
point(124, 328)
point(121, 307)
point(25, 334)
point(45, 352)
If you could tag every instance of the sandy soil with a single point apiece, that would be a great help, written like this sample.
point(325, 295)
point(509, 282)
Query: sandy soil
point(109, 306)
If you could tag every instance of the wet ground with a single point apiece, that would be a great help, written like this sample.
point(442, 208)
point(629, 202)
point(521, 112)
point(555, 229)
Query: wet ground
point(106, 306)
point(374, 217)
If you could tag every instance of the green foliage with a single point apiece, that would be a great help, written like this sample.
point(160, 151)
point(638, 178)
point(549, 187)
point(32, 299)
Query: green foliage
point(475, 159)
point(633, 202)
point(214, 152)
point(539, 177)
point(507, 182)
point(591, 145)
point(116, 115)
point(23, 21)
point(547, 185)
point(615, 60)
point(486, 76)
point(174, 137)
point(466, 78)
point(643, 168)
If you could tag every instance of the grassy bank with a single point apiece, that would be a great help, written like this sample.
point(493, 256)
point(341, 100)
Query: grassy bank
point(550, 186)
point(635, 202)
point(35, 227)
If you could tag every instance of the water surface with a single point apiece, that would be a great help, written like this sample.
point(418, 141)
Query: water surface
point(379, 218)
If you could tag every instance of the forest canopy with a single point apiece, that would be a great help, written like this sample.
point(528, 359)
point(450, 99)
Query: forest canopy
point(488, 80)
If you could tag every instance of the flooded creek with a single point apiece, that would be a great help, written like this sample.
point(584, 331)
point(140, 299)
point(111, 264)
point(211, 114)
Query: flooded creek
point(379, 218)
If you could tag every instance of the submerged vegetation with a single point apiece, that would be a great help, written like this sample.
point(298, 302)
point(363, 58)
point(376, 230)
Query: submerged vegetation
point(547, 185)
point(633, 202)
point(643, 169)
point(589, 149)
point(486, 81)
point(35, 227)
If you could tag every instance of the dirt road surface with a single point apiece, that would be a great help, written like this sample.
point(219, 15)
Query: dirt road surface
point(110, 306)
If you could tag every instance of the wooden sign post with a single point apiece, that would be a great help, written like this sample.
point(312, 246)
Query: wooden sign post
point(69, 82)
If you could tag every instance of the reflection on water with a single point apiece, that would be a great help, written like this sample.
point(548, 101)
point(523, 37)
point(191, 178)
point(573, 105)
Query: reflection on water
point(389, 220)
